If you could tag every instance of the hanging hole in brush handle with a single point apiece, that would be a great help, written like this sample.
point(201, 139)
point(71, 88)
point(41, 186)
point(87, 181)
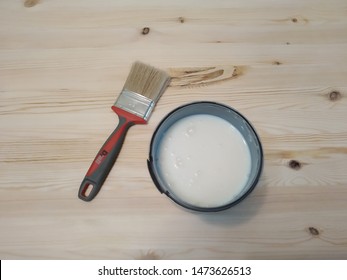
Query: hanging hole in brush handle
point(87, 190)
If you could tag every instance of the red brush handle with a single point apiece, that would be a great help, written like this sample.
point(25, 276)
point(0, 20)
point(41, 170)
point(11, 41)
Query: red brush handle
point(107, 155)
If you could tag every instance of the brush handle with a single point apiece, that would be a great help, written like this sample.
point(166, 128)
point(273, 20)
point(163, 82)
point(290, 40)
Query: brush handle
point(107, 155)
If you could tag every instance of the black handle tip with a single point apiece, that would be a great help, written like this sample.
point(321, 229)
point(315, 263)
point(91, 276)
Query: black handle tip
point(88, 190)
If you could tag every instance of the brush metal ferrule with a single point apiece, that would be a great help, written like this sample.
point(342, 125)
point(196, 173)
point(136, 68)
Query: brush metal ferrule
point(135, 103)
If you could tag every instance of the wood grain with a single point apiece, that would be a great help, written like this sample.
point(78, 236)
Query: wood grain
point(282, 64)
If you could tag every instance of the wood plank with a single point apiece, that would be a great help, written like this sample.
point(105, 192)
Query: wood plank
point(283, 65)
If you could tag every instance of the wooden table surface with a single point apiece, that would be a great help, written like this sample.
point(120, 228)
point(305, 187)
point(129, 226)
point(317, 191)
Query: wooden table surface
point(282, 64)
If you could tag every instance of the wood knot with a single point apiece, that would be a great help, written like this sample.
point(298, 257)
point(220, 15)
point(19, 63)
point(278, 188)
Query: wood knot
point(335, 95)
point(30, 3)
point(313, 231)
point(277, 62)
point(204, 76)
point(294, 20)
point(149, 255)
point(181, 19)
point(294, 164)
point(145, 30)
point(288, 43)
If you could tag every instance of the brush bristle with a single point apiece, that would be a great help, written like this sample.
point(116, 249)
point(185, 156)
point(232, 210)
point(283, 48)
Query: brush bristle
point(147, 80)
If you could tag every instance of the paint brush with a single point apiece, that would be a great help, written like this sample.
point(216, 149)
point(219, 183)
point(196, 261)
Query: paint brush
point(142, 89)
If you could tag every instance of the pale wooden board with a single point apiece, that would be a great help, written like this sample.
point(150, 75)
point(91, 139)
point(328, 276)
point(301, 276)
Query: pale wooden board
point(282, 64)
